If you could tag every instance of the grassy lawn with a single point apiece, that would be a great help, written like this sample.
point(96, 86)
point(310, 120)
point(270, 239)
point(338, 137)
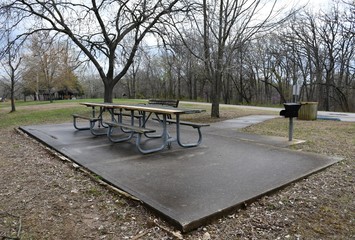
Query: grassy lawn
point(33, 112)
point(333, 138)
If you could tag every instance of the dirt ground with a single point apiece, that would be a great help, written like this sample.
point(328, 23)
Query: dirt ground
point(45, 197)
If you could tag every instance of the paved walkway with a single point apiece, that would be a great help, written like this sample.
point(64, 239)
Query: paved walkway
point(189, 187)
point(341, 116)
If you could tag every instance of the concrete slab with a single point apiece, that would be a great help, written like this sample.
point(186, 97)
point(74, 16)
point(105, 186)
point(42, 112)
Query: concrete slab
point(187, 186)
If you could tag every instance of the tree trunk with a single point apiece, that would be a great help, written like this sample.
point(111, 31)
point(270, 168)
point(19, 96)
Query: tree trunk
point(215, 106)
point(215, 95)
point(179, 84)
point(108, 94)
point(194, 94)
point(13, 108)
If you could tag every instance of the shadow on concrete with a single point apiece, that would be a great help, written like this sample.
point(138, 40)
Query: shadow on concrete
point(190, 186)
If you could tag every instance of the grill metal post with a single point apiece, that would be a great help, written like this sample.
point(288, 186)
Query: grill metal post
point(290, 129)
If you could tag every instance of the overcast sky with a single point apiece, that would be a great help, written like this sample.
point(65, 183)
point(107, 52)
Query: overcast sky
point(316, 4)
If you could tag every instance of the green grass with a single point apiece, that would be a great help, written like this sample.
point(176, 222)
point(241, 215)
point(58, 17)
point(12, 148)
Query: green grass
point(26, 117)
point(33, 112)
point(326, 137)
point(21, 103)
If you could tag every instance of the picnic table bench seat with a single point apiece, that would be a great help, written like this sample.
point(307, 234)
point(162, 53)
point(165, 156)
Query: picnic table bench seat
point(133, 129)
point(191, 124)
point(127, 114)
point(86, 117)
point(92, 121)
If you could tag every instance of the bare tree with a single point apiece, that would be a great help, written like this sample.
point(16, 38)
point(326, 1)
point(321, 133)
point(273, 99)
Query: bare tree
point(98, 28)
point(49, 68)
point(10, 60)
point(325, 56)
point(339, 48)
point(11, 66)
point(228, 25)
point(223, 27)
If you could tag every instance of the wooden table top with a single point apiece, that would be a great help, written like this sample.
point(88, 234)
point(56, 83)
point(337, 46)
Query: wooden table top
point(146, 108)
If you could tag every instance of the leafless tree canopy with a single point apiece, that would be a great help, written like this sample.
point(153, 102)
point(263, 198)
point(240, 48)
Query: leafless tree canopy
point(230, 51)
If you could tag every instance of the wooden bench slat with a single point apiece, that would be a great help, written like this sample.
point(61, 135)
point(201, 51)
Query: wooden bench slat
point(168, 102)
point(86, 117)
point(192, 124)
point(134, 128)
point(129, 115)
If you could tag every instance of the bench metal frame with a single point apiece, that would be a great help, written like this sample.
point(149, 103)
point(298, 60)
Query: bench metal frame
point(95, 119)
point(178, 132)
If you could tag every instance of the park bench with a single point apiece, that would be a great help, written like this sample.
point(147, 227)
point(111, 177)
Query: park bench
point(165, 102)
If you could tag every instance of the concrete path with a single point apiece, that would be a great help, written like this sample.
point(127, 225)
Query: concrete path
point(189, 187)
point(242, 122)
point(340, 116)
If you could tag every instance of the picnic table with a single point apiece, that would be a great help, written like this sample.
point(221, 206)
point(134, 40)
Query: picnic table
point(139, 130)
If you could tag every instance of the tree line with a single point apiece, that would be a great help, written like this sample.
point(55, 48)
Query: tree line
point(314, 51)
point(238, 52)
